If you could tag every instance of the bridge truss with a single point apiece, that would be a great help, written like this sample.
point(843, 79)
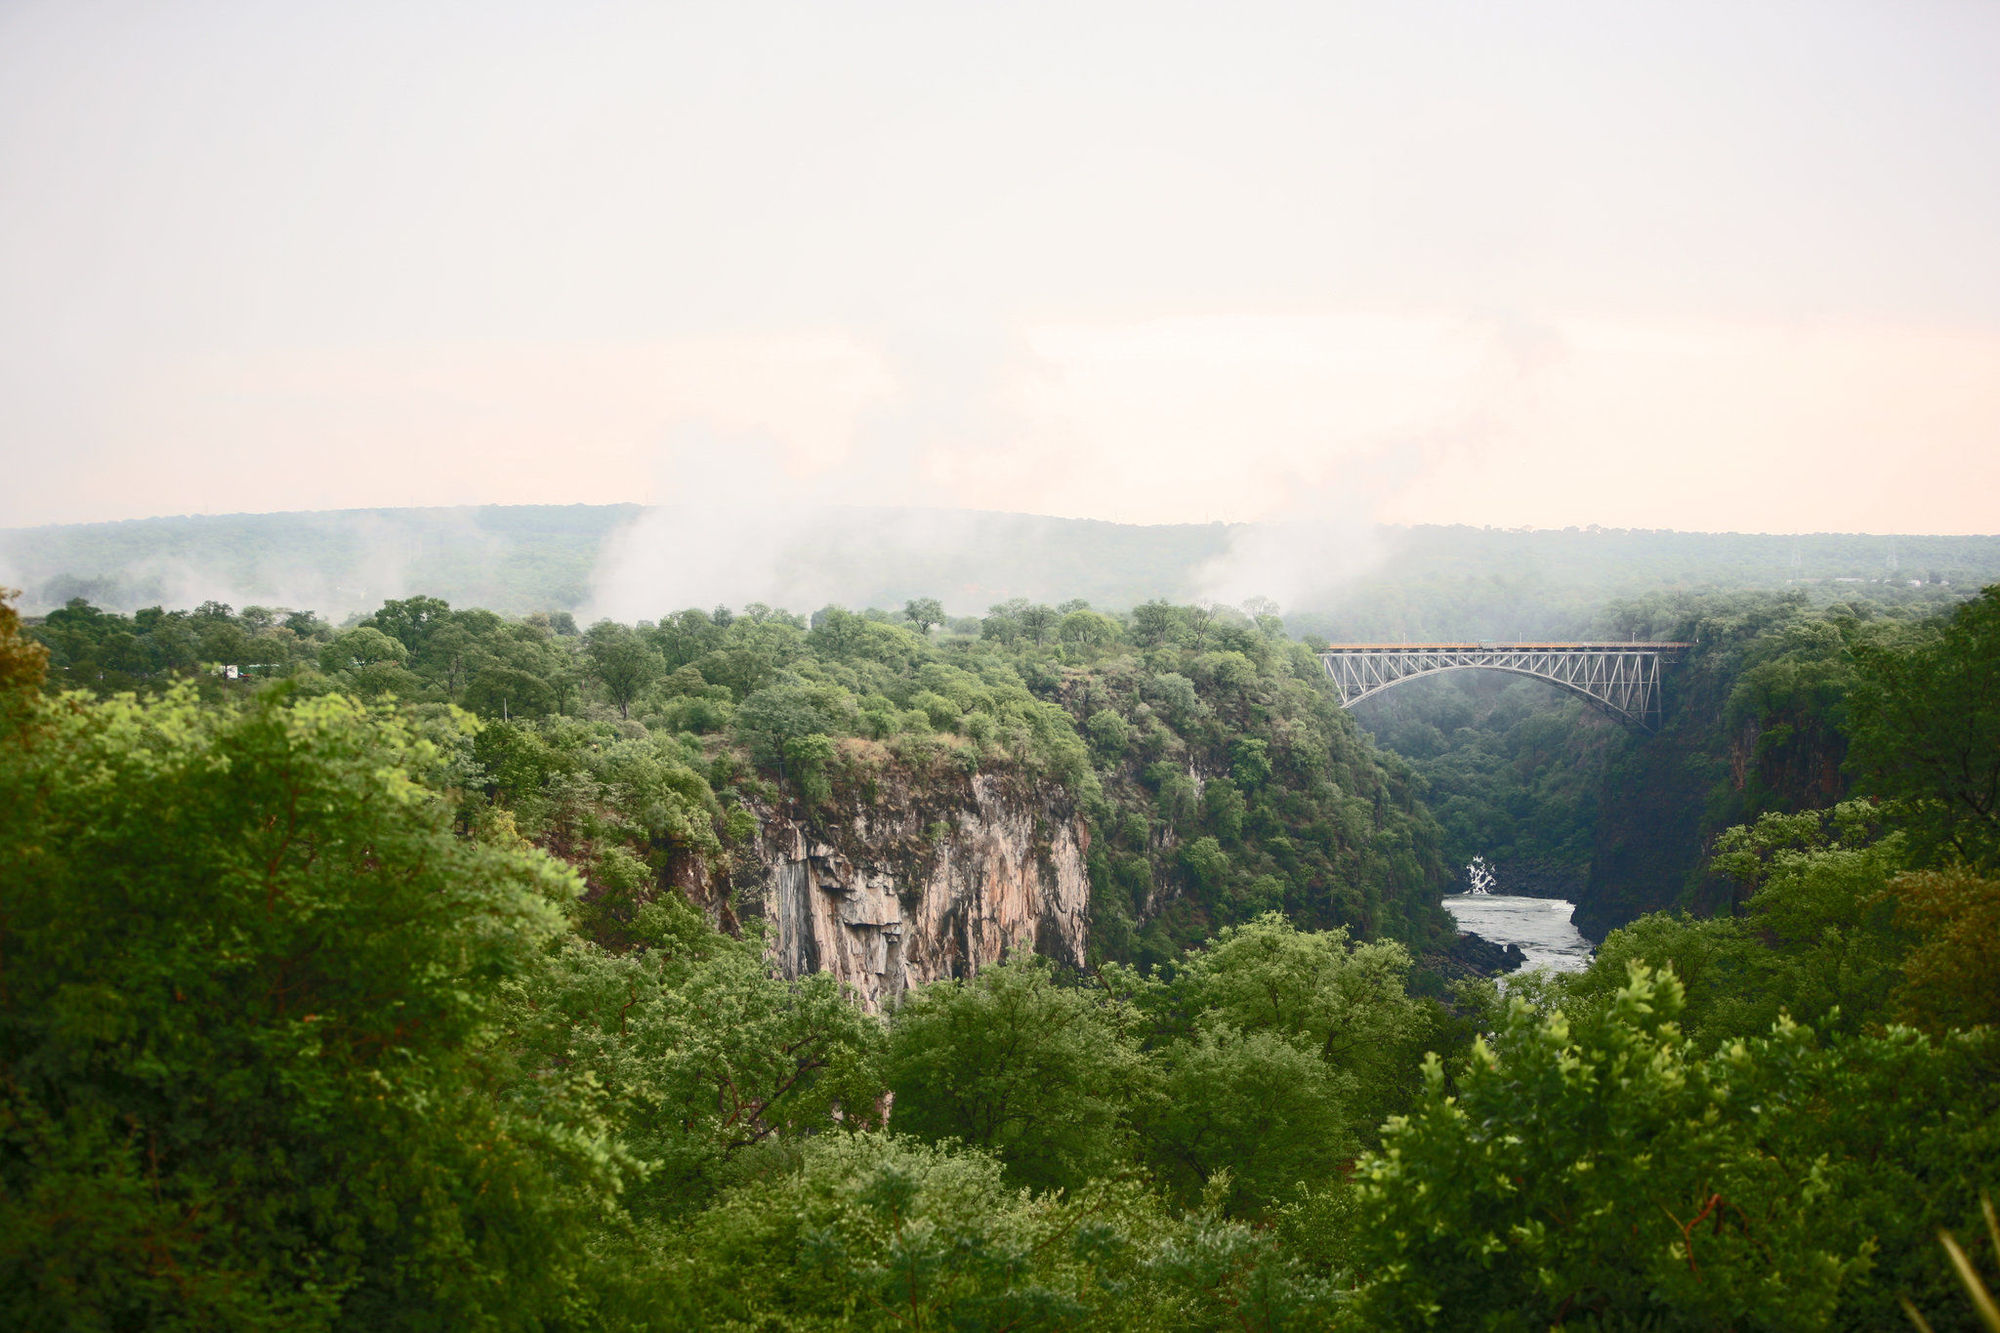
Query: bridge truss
point(1623, 679)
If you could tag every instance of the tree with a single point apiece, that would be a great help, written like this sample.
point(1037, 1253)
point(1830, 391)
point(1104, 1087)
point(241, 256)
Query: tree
point(246, 1052)
point(1926, 733)
point(361, 646)
point(1345, 1002)
point(1952, 977)
point(1109, 734)
point(1084, 629)
point(837, 632)
point(622, 661)
point(508, 692)
point(785, 727)
point(412, 621)
point(882, 1232)
point(1593, 1168)
point(1200, 619)
point(924, 612)
point(1002, 623)
point(687, 635)
point(1155, 623)
point(23, 662)
point(1037, 620)
point(1244, 1119)
point(1011, 1063)
point(452, 653)
point(1816, 939)
point(705, 1056)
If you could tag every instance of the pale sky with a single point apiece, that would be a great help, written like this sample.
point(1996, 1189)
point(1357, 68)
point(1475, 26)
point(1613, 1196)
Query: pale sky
point(1729, 266)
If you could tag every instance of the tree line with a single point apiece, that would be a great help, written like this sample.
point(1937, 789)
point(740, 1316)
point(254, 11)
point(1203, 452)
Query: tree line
point(329, 1008)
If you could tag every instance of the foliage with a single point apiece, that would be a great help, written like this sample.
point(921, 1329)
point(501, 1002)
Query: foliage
point(1927, 733)
point(700, 1055)
point(1281, 1051)
point(247, 1034)
point(1951, 979)
point(1598, 1167)
point(23, 664)
point(622, 661)
point(1975, 1283)
point(1253, 787)
point(1817, 939)
point(880, 1232)
point(1263, 1063)
point(322, 1013)
point(1016, 1065)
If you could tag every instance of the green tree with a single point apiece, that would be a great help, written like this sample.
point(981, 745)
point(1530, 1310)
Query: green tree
point(1017, 1065)
point(1926, 733)
point(23, 665)
point(1109, 733)
point(702, 1054)
point(1037, 621)
point(1155, 624)
point(1345, 1002)
point(1243, 1120)
point(1596, 1170)
point(1951, 978)
point(1084, 630)
point(1817, 938)
point(623, 662)
point(361, 646)
point(924, 612)
point(785, 727)
point(502, 691)
point(883, 1232)
point(246, 1041)
point(684, 637)
point(412, 621)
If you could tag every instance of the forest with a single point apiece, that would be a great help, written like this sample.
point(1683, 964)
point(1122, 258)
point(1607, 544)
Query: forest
point(417, 971)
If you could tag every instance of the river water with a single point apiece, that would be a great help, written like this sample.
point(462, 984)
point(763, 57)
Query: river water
point(1541, 926)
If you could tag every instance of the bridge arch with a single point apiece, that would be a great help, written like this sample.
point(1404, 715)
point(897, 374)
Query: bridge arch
point(1620, 679)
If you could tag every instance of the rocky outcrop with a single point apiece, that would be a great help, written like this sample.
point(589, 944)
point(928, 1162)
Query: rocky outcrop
point(922, 881)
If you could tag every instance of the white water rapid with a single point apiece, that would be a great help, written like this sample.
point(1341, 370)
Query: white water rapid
point(1541, 926)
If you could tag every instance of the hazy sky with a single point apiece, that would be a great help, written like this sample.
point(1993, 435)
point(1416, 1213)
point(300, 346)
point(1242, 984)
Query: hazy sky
point(1730, 266)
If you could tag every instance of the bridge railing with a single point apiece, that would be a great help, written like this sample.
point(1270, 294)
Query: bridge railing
point(1637, 645)
point(1622, 678)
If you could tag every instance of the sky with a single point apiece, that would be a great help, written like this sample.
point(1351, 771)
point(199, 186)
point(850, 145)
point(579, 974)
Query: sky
point(1700, 266)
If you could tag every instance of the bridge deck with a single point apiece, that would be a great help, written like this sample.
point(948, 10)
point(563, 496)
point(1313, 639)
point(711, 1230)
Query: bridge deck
point(1640, 645)
point(1621, 678)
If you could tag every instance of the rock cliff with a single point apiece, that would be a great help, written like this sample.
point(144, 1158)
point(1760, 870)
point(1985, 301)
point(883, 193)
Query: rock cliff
point(915, 881)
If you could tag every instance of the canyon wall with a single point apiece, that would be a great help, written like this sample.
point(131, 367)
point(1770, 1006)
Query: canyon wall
point(911, 882)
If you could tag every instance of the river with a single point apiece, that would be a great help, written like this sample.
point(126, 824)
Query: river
point(1541, 926)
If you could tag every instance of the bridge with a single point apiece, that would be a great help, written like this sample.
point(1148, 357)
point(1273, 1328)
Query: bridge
point(1623, 679)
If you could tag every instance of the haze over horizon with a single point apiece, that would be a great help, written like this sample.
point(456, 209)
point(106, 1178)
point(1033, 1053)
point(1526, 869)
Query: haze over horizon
point(1702, 267)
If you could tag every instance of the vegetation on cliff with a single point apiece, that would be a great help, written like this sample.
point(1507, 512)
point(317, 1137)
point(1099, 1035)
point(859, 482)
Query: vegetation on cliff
point(1217, 774)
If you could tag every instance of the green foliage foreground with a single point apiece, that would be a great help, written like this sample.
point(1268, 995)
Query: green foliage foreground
point(295, 1034)
point(250, 1019)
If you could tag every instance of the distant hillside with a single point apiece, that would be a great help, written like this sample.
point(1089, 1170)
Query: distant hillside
point(519, 558)
point(1488, 583)
point(511, 558)
point(1416, 583)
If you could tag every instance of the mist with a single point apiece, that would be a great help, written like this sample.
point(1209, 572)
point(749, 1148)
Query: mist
point(1094, 261)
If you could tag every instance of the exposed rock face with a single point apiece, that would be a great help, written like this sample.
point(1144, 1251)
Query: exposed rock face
point(907, 888)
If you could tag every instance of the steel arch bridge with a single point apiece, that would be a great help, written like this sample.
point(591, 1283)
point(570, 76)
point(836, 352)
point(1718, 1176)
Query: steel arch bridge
point(1622, 679)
